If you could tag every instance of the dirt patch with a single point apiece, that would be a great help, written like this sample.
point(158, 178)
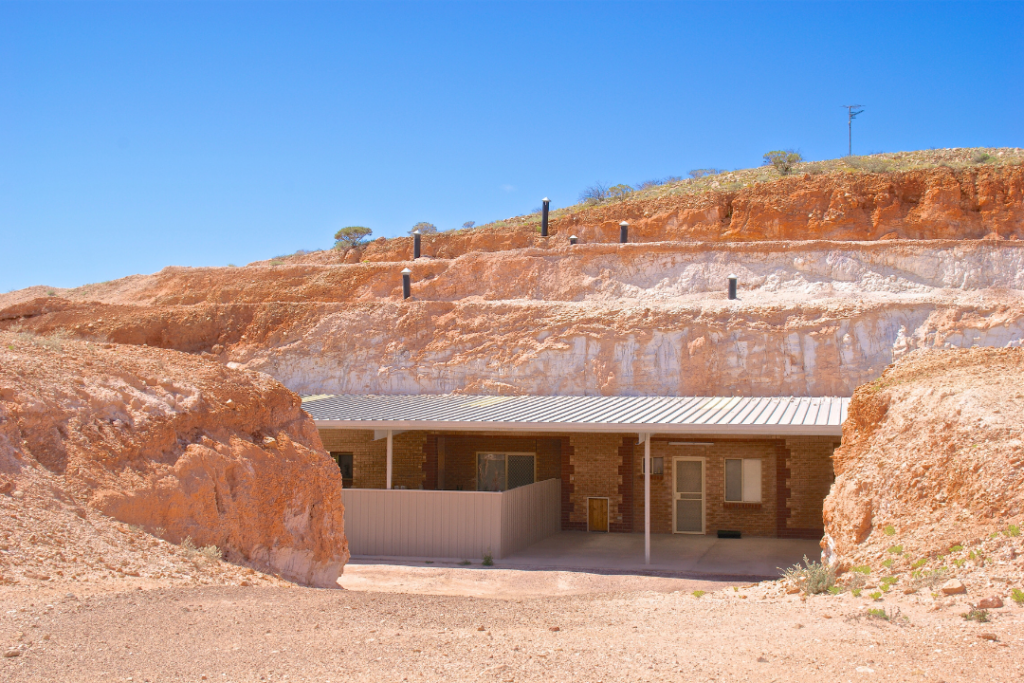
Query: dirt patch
point(752, 633)
point(507, 584)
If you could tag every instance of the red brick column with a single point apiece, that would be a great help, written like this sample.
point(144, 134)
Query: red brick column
point(626, 481)
point(567, 487)
point(430, 462)
point(782, 510)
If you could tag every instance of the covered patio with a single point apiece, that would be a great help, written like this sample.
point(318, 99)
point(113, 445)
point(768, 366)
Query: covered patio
point(702, 485)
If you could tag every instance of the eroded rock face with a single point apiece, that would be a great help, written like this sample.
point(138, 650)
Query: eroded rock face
point(181, 446)
point(812, 318)
point(932, 458)
point(937, 203)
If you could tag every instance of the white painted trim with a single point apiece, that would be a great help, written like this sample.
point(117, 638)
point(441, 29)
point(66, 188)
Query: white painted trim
point(607, 512)
point(703, 494)
point(390, 456)
point(379, 434)
point(647, 498)
point(704, 430)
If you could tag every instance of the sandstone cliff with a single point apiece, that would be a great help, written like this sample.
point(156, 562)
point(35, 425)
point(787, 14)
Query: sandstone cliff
point(812, 318)
point(500, 310)
point(177, 445)
point(930, 475)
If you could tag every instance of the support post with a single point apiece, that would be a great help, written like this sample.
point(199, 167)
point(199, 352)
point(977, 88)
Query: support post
point(623, 232)
point(406, 283)
point(732, 286)
point(416, 236)
point(647, 498)
point(391, 450)
point(544, 217)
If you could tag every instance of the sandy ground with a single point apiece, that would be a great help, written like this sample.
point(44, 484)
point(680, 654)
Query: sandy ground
point(474, 624)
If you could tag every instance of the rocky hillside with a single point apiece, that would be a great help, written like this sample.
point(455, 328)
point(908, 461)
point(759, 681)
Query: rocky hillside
point(930, 476)
point(168, 443)
point(839, 272)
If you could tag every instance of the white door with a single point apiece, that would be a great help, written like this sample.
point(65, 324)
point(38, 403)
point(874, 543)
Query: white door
point(688, 496)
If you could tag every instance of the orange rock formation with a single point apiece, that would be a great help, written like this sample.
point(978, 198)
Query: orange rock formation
point(933, 459)
point(937, 203)
point(176, 444)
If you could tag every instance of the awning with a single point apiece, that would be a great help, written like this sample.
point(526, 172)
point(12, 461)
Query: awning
point(781, 415)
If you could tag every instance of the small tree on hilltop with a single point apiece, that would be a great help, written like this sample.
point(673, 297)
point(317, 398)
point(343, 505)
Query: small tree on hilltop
point(783, 160)
point(424, 228)
point(620, 191)
point(351, 237)
point(468, 224)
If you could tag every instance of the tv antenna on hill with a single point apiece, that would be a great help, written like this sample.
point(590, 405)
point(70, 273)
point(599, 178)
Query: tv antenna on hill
point(849, 122)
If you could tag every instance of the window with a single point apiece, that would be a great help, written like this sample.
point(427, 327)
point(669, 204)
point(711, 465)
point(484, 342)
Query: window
point(345, 464)
point(657, 465)
point(504, 471)
point(743, 480)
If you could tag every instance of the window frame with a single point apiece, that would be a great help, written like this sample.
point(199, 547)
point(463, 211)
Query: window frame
point(655, 470)
point(743, 478)
point(336, 457)
point(476, 475)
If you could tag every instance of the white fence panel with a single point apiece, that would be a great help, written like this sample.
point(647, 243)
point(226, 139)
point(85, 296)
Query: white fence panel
point(455, 524)
point(530, 513)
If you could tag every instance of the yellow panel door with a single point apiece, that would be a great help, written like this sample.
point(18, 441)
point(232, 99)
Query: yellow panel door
point(598, 514)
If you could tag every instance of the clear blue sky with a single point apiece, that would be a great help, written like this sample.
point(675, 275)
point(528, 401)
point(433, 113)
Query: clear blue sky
point(139, 135)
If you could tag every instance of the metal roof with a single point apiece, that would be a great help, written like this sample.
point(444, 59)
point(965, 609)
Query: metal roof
point(656, 414)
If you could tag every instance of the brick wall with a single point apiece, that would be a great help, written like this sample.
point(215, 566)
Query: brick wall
point(797, 471)
point(369, 457)
point(417, 456)
point(596, 461)
point(757, 519)
point(568, 454)
point(460, 456)
point(809, 477)
point(627, 485)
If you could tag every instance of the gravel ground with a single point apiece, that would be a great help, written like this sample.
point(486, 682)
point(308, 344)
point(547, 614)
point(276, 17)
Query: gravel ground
point(576, 628)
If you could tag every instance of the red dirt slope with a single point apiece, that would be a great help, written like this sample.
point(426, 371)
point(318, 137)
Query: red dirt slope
point(172, 443)
point(930, 475)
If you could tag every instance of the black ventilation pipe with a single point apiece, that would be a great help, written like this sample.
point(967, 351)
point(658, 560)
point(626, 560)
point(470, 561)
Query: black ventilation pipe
point(623, 232)
point(406, 284)
point(573, 239)
point(732, 286)
point(544, 217)
point(416, 244)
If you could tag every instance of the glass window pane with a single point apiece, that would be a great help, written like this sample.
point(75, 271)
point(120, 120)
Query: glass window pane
point(345, 464)
point(734, 480)
point(490, 472)
point(520, 470)
point(752, 480)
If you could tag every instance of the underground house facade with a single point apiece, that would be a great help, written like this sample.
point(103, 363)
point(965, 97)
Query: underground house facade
point(718, 465)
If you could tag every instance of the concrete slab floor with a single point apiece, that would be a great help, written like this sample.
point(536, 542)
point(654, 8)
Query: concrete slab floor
point(675, 555)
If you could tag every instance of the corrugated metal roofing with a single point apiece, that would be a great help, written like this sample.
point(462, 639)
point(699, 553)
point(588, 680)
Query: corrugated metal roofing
point(657, 414)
